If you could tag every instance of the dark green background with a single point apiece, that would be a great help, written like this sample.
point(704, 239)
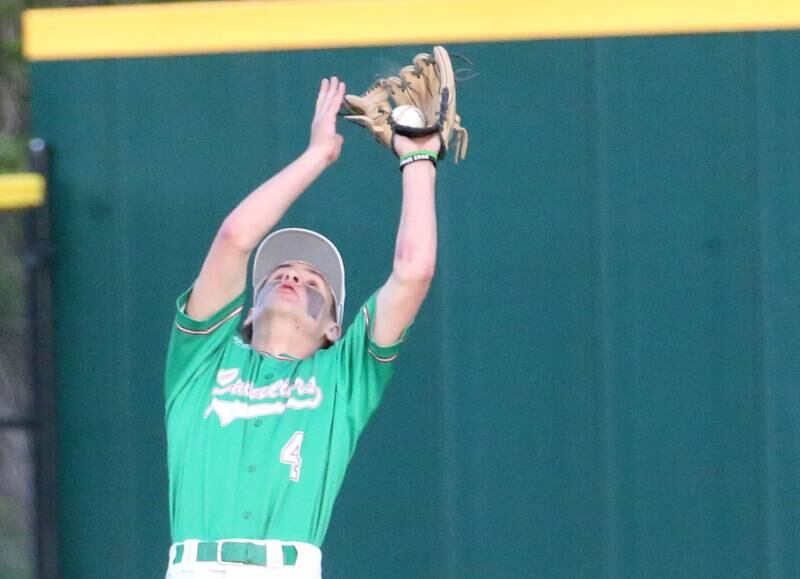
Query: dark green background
point(604, 380)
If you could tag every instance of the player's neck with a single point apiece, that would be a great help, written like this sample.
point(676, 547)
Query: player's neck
point(280, 335)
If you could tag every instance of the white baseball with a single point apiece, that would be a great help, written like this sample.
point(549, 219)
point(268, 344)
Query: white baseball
point(408, 116)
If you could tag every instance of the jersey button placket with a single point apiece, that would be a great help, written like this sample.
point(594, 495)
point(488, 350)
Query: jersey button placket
point(252, 468)
point(258, 422)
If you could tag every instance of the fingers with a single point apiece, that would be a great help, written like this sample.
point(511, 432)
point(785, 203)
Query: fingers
point(335, 94)
point(331, 94)
point(323, 90)
point(332, 86)
point(340, 95)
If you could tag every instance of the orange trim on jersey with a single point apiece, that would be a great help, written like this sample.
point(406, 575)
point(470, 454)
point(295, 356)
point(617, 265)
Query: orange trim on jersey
point(391, 358)
point(365, 311)
point(379, 359)
point(281, 357)
point(205, 332)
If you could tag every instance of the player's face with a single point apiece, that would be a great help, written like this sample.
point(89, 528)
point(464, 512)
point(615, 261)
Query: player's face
point(298, 290)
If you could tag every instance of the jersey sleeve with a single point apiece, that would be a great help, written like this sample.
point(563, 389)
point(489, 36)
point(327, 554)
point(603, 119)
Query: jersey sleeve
point(364, 367)
point(193, 343)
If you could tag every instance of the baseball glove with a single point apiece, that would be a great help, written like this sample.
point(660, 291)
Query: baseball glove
point(428, 84)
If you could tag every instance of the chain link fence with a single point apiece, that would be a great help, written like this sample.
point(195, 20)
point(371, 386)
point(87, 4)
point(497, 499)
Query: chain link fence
point(16, 456)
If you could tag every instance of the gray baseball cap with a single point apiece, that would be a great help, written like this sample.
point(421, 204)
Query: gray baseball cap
point(296, 244)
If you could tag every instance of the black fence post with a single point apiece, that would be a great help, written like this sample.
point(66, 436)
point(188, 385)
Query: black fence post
point(38, 266)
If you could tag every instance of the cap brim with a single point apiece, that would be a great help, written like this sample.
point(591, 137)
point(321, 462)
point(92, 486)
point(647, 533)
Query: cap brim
point(296, 244)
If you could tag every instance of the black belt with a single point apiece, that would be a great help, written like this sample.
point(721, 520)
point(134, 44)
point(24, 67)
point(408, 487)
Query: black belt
point(237, 552)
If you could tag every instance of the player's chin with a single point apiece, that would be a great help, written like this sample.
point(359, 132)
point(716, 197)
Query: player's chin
point(291, 309)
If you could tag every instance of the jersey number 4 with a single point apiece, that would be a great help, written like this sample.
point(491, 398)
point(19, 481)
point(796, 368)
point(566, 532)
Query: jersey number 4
point(290, 454)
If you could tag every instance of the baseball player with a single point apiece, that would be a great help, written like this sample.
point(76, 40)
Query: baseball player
point(261, 424)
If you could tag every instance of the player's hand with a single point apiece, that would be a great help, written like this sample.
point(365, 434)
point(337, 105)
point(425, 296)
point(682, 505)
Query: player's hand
point(403, 145)
point(325, 141)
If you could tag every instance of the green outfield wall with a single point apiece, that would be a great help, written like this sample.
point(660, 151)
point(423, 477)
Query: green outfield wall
point(604, 382)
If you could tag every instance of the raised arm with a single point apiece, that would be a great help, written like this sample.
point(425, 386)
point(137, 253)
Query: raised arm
point(224, 272)
point(400, 298)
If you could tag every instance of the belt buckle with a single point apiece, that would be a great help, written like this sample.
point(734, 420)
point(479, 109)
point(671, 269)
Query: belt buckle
point(219, 555)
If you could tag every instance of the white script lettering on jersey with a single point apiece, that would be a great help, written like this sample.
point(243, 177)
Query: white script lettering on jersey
point(285, 395)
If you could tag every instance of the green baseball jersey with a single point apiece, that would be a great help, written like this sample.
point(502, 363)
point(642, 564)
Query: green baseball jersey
point(258, 445)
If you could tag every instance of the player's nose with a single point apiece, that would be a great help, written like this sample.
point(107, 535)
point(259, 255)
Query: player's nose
point(292, 277)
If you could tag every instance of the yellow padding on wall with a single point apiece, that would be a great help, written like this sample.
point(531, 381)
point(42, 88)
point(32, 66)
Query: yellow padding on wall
point(21, 190)
point(263, 25)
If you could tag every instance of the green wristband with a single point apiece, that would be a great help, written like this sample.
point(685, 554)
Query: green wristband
point(421, 155)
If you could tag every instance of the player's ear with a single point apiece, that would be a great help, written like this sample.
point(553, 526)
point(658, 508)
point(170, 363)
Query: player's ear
point(333, 332)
